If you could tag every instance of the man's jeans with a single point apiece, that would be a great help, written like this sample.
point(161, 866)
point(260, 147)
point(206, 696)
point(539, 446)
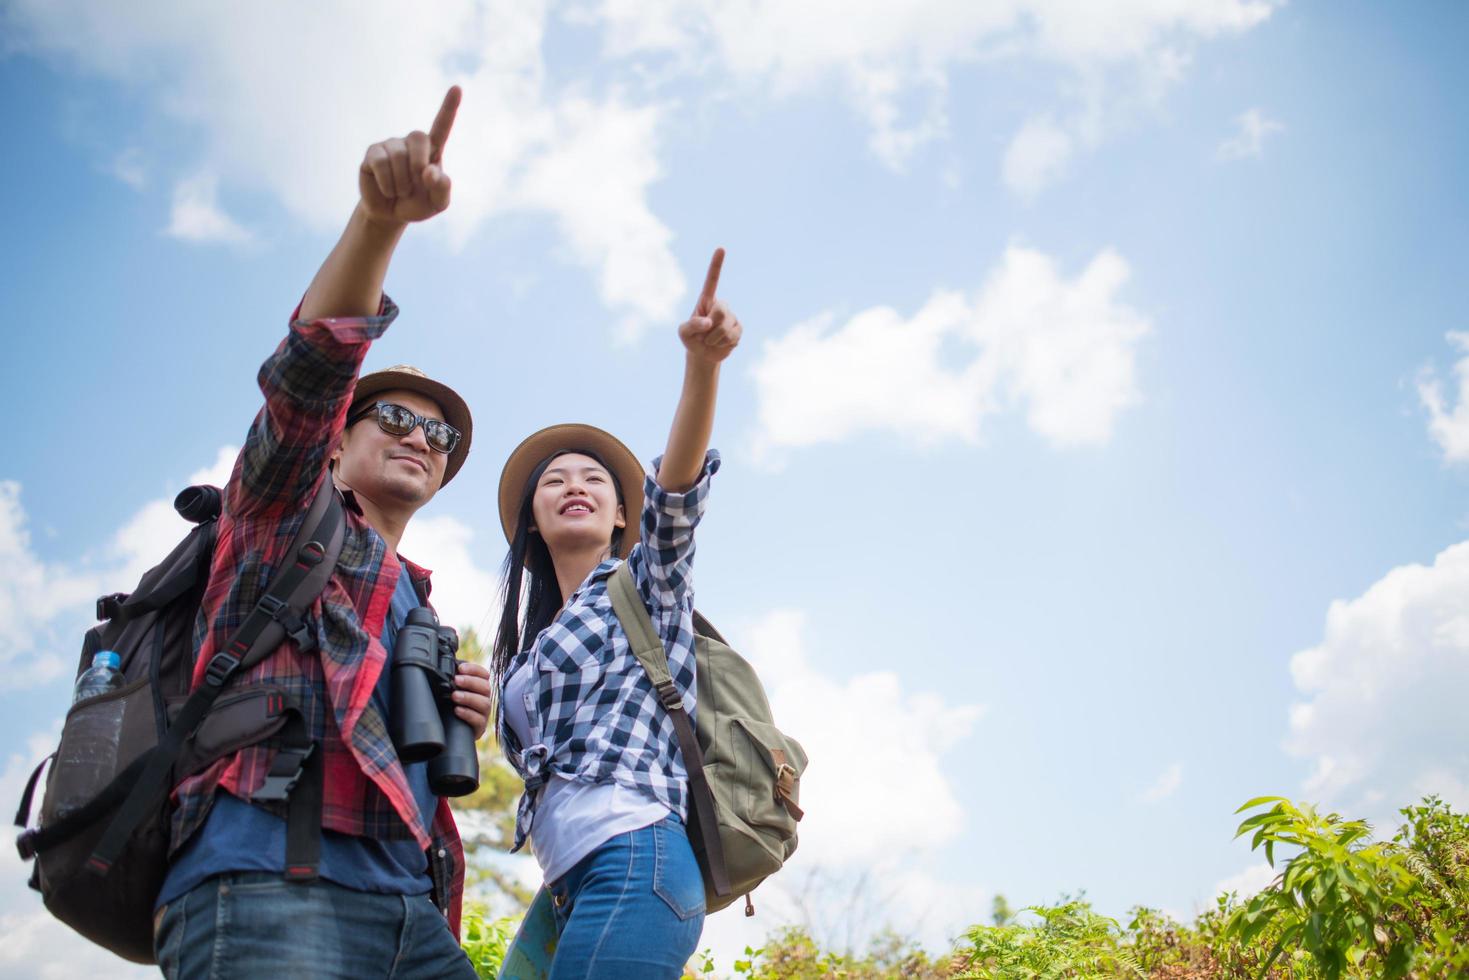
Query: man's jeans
point(633, 908)
point(257, 924)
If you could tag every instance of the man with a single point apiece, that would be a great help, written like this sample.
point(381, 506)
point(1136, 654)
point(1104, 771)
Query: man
point(384, 898)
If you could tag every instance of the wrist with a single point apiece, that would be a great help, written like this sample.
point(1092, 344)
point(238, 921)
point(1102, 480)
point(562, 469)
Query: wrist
point(386, 230)
point(701, 365)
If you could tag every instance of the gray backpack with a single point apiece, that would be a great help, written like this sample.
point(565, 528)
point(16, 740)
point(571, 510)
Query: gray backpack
point(744, 773)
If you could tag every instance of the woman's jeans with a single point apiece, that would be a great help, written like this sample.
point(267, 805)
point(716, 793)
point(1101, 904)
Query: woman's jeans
point(257, 924)
point(633, 908)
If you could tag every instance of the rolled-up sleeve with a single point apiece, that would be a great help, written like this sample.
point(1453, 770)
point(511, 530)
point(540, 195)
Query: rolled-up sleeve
point(308, 384)
point(663, 564)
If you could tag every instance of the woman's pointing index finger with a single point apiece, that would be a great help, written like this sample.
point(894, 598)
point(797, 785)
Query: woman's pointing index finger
point(438, 135)
point(711, 284)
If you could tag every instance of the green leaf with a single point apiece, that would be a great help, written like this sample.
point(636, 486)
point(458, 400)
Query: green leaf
point(1257, 801)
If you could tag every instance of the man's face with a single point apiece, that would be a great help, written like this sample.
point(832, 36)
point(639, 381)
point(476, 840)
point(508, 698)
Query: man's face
point(386, 468)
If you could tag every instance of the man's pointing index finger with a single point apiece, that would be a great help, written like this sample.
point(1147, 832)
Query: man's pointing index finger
point(438, 135)
point(711, 284)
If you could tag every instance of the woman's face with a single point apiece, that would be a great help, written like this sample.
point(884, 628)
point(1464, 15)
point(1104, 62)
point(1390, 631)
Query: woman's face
point(575, 505)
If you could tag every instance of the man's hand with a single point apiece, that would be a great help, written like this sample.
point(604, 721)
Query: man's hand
point(472, 696)
point(402, 179)
point(712, 332)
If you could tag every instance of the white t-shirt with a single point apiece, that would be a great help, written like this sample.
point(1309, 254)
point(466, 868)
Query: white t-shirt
point(573, 818)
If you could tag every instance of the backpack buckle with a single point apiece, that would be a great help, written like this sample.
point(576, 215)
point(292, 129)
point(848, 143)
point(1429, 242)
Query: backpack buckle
point(296, 628)
point(270, 605)
point(109, 606)
point(285, 773)
point(221, 666)
point(669, 696)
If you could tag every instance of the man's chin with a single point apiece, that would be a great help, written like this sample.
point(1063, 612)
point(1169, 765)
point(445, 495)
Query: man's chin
point(408, 490)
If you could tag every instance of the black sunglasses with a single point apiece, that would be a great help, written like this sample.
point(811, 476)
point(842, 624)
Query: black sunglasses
point(396, 420)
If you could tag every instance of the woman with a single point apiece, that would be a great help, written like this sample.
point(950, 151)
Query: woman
point(606, 790)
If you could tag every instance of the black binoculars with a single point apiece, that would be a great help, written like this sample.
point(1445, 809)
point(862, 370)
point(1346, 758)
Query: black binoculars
point(422, 720)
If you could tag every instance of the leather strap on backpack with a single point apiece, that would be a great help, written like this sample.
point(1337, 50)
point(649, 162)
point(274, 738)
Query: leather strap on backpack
point(647, 646)
point(315, 548)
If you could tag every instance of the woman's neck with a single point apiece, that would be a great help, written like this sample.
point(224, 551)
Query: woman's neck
point(573, 568)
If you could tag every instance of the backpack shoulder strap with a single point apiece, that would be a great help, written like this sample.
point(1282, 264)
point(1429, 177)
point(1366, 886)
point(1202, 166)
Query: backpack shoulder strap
point(647, 646)
point(308, 566)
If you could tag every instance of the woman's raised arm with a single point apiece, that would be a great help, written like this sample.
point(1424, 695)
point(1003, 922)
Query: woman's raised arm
point(708, 336)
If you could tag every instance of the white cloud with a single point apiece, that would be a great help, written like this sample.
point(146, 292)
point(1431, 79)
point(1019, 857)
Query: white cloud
point(1063, 350)
point(130, 168)
point(1248, 882)
point(1165, 785)
point(592, 179)
point(1449, 427)
point(1037, 156)
point(231, 78)
point(874, 748)
point(1252, 127)
point(36, 599)
point(197, 217)
point(464, 594)
point(33, 943)
point(46, 606)
point(888, 58)
point(1382, 715)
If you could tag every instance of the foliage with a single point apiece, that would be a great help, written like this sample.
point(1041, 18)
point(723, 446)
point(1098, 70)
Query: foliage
point(1070, 941)
point(1341, 906)
point(791, 954)
point(485, 940)
point(487, 816)
point(1353, 907)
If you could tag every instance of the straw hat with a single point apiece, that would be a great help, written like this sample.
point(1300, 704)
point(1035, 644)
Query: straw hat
point(406, 377)
point(571, 437)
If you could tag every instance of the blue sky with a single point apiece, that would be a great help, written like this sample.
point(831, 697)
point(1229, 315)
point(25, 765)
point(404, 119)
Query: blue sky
point(1089, 360)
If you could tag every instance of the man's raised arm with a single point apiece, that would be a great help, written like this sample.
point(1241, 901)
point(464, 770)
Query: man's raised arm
point(308, 381)
point(401, 180)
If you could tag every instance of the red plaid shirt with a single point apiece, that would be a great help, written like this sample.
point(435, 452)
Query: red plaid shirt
point(308, 385)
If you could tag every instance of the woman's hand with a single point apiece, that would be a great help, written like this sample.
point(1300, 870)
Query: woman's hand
point(401, 179)
point(712, 332)
point(472, 696)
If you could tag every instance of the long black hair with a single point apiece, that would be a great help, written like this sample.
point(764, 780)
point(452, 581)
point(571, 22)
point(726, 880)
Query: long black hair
point(531, 596)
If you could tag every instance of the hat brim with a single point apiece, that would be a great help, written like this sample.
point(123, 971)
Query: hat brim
point(572, 436)
point(456, 412)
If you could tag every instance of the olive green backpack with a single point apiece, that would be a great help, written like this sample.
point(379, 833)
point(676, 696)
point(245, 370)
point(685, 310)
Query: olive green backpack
point(744, 773)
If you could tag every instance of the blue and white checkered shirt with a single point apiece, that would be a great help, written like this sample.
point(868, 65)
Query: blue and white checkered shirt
point(594, 709)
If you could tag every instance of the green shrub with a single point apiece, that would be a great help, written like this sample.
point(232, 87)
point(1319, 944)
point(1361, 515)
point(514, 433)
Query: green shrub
point(1341, 906)
point(1347, 903)
point(1070, 941)
point(485, 940)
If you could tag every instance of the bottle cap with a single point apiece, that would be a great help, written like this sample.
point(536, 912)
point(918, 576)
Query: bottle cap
point(107, 658)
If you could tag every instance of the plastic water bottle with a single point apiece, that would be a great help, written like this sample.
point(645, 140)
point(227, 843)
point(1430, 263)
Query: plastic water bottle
point(104, 675)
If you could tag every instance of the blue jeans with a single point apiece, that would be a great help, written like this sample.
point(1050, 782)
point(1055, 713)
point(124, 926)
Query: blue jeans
point(633, 908)
point(257, 924)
